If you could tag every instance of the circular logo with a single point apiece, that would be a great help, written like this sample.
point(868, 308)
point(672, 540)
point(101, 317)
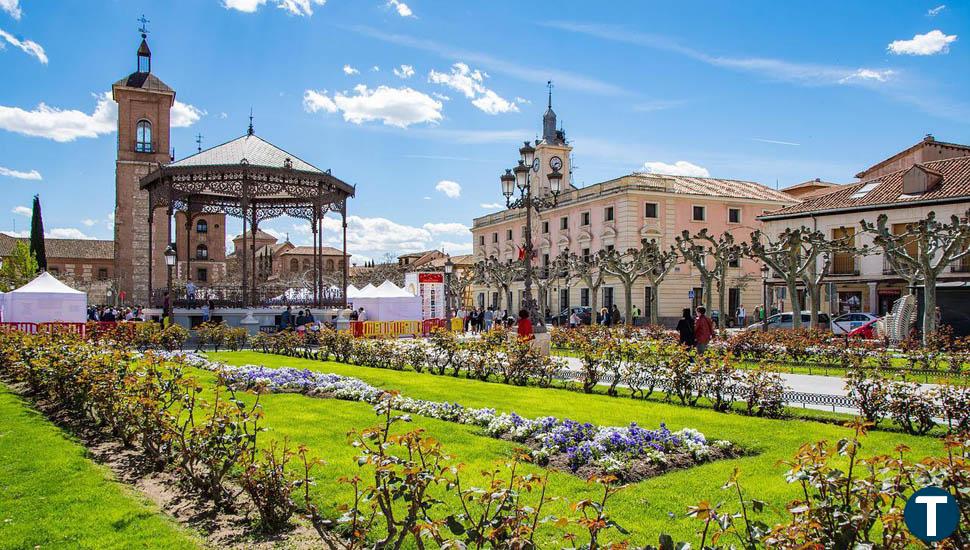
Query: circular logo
point(931, 514)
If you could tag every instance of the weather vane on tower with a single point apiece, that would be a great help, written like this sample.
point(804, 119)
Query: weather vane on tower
point(549, 85)
point(198, 142)
point(143, 29)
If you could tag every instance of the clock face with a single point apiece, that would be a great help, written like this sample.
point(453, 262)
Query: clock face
point(535, 164)
point(555, 163)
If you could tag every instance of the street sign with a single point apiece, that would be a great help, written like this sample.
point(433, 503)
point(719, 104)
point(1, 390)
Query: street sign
point(690, 294)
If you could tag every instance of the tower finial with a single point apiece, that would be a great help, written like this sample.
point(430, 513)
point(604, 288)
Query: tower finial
point(198, 142)
point(251, 131)
point(549, 85)
point(143, 29)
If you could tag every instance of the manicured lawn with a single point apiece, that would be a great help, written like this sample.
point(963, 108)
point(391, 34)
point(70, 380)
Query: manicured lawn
point(52, 496)
point(647, 508)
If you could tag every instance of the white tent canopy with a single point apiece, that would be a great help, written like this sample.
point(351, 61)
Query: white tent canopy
point(387, 302)
point(44, 300)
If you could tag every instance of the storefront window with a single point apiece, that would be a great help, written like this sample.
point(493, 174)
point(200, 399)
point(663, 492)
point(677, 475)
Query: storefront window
point(850, 302)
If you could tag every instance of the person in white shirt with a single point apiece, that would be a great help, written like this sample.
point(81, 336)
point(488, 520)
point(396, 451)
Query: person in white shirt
point(574, 320)
point(361, 315)
point(190, 290)
point(742, 316)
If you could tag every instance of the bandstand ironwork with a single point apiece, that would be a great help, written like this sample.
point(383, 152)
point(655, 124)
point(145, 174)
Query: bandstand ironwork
point(270, 184)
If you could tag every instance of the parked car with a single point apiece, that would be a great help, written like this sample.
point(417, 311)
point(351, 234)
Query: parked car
point(784, 320)
point(867, 331)
point(585, 315)
point(846, 323)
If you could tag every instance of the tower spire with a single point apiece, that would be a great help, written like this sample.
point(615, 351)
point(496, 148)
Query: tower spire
point(549, 120)
point(198, 142)
point(549, 85)
point(144, 53)
point(250, 131)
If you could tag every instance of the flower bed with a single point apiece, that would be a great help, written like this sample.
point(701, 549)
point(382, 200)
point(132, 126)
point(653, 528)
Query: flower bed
point(630, 452)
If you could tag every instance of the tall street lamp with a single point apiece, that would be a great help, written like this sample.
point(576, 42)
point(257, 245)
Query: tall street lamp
point(765, 270)
point(449, 269)
point(169, 263)
point(521, 177)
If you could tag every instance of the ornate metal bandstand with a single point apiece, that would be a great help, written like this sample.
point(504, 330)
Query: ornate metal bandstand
point(251, 179)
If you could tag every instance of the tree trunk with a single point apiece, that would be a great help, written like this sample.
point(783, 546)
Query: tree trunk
point(628, 294)
point(815, 296)
point(796, 306)
point(722, 319)
point(708, 299)
point(593, 303)
point(929, 306)
point(653, 306)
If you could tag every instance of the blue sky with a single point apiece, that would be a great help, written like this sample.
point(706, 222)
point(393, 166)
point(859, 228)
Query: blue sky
point(398, 97)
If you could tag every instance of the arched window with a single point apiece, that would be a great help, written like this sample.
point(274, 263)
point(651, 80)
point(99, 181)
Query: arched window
point(306, 264)
point(202, 226)
point(202, 252)
point(329, 265)
point(143, 137)
point(294, 265)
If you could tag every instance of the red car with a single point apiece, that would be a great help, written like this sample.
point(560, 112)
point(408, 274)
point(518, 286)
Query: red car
point(866, 331)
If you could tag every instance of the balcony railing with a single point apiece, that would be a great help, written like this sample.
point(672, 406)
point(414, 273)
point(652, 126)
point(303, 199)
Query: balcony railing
point(961, 266)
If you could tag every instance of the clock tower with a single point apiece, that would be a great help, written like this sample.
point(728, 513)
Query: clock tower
point(552, 150)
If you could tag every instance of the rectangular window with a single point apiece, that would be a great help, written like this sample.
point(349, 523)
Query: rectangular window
point(508, 234)
point(734, 261)
point(734, 215)
point(545, 227)
point(54, 271)
point(481, 299)
point(481, 240)
point(563, 299)
point(545, 260)
point(522, 231)
point(610, 248)
point(495, 237)
point(647, 298)
point(608, 297)
point(650, 210)
point(844, 263)
point(608, 214)
point(103, 274)
point(584, 297)
point(584, 219)
point(585, 254)
point(698, 298)
point(564, 222)
point(699, 213)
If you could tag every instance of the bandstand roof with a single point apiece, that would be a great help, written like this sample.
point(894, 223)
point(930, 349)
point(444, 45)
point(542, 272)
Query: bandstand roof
point(256, 150)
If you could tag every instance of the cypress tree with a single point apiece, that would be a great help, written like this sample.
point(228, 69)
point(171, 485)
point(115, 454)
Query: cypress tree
point(37, 247)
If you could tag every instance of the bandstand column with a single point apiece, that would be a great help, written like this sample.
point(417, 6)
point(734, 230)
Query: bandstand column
point(316, 286)
point(254, 297)
point(343, 216)
point(245, 207)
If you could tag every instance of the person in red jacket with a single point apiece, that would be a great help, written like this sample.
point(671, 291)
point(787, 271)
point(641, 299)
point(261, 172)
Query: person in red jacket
point(703, 330)
point(524, 327)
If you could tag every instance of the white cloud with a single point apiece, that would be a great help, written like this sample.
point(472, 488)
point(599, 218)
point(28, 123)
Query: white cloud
point(471, 83)
point(868, 75)
point(32, 175)
point(314, 101)
point(295, 7)
point(404, 71)
point(67, 125)
point(399, 107)
point(455, 248)
point(22, 211)
point(376, 236)
point(931, 43)
point(402, 9)
point(184, 115)
point(451, 189)
point(223, 115)
point(933, 12)
point(376, 69)
point(348, 70)
point(442, 97)
point(66, 233)
point(679, 168)
point(453, 228)
point(775, 141)
point(61, 125)
point(494, 104)
point(12, 7)
point(88, 222)
point(28, 46)
point(491, 205)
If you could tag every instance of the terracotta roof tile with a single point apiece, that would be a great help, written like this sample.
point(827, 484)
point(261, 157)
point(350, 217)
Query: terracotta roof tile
point(308, 251)
point(888, 191)
point(717, 187)
point(82, 249)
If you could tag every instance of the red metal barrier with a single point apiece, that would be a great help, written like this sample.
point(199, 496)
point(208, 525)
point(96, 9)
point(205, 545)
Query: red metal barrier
point(357, 329)
point(29, 328)
point(430, 324)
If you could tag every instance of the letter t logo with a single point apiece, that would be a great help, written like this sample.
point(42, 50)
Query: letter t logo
point(930, 502)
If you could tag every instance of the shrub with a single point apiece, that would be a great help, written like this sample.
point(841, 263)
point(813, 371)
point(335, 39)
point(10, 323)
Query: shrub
point(763, 393)
point(955, 406)
point(870, 393)
point(270, 488)
point(912, 408)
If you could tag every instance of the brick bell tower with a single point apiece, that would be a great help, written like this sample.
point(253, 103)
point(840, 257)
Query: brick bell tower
point(144, 123)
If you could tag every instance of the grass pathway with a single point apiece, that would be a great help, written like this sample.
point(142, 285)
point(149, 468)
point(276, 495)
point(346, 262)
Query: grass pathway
point(53, 496)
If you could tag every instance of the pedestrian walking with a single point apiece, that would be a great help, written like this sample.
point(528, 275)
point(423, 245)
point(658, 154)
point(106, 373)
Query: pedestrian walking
point(703, 330)
point(685, 328)
point(524, 328)
point(742, 316)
